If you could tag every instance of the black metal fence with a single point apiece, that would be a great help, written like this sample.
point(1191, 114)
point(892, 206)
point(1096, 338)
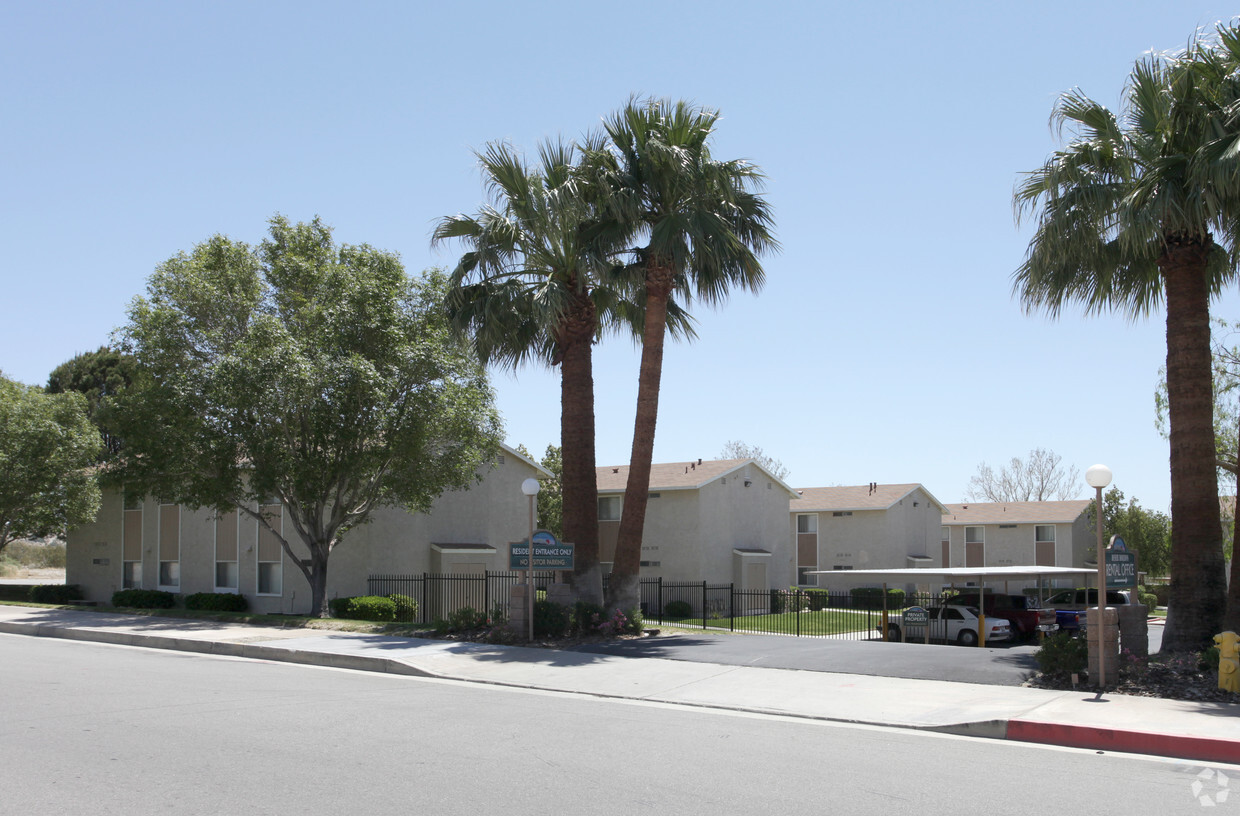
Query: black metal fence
point(851, 615)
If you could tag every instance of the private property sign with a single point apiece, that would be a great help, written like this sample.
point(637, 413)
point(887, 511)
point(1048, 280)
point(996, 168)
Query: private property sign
point(1121, 565)
point(548, 553)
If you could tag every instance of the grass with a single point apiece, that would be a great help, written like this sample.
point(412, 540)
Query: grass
point(825, 622)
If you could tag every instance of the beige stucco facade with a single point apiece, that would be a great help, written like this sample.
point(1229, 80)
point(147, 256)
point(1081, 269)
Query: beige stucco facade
point(1006, 534)
point(864, 527)
point(718, 521)
point(154, 546)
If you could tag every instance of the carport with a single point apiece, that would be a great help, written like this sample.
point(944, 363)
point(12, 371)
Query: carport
point(949, 575)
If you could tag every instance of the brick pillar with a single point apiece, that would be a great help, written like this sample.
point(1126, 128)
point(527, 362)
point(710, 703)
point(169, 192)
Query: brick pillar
point(1134, 630)
point(1109, 634)
point(518, 611)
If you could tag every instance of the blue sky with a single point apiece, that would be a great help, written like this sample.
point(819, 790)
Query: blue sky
point(886, 345)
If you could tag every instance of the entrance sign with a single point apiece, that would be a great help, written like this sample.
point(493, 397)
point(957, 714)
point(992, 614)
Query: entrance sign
point(549, 553)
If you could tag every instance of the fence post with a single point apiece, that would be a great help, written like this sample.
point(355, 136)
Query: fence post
point(703, 604)
point(659, 600)
point(426, 582)
point(732, 607)
point(796, 598)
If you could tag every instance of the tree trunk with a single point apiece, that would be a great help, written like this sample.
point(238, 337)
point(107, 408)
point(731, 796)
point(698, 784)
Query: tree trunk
point(579, 479)
point(624, 591)
point(1196, 606)
point(1231, 618)
point(318, 584)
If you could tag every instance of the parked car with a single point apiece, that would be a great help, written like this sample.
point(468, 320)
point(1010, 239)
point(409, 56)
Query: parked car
point(950, 623)
point(1025, 614)
point(1070, 606)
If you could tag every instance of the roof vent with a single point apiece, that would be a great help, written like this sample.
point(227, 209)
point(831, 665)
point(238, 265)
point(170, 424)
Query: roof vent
point(615, 470)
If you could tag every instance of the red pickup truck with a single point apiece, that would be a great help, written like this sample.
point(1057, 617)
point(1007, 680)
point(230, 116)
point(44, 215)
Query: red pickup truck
point(1024, 613)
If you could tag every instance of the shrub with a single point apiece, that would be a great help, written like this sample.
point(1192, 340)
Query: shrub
point(55, 593)
point(679, 609)
point(1162, 592)
point(406, 608)
point(788, 600)
point(364, 607)
point(217, 602)
point(586, 616)
point(872, 598)
point(1148, 598)
point(466, 619)
point(1061, 655)
point(819, 599)
point(36, 555)
point(1210, 659)
point(143, 599)
point(551, 619)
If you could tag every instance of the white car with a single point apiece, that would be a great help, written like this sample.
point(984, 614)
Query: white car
point(950, 623)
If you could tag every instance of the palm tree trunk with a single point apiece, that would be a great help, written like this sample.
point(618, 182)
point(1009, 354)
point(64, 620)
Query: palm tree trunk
point(1231, 618)
point(1198, 596)
point(624, 589)
point(579, 480)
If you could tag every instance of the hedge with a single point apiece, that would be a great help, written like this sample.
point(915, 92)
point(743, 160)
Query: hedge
point(217, 602)
point(364, 607)
point(872, 598)
point(55, 593)
point(143, 599)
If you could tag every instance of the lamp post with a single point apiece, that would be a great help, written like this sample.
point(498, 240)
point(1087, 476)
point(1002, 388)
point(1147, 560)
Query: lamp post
point(530, 488)
point(1098, 477)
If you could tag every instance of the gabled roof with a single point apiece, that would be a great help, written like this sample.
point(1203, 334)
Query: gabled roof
point(858, 497)
point(681, 475)
point(543, 473)
point(1045, 512)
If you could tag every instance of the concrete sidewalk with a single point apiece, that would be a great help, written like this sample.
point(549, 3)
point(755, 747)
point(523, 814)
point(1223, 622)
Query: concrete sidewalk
point(1172, 728)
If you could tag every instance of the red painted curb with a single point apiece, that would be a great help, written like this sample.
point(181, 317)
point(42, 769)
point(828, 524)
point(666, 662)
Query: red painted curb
point(1134, 742)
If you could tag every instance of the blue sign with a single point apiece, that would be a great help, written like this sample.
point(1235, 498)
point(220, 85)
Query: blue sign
point(548, 553)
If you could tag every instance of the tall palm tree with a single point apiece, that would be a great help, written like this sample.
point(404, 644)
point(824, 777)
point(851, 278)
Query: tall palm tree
point(697, 227)
point(535, 286)
point(1131, 212)
point(526, 291)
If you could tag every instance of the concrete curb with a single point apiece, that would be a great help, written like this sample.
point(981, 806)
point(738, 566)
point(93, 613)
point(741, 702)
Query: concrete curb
point(1133, 742)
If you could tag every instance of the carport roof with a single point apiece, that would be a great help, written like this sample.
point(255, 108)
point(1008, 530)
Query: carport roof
point(981, 574)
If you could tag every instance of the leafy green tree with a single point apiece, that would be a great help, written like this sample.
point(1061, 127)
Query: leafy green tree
point(698, 227)
point(1133, 211)
point(1146, 531)
point(318, 375)
point(97, 375)
point(533, 287)
point(550, 496)
point(47, 449)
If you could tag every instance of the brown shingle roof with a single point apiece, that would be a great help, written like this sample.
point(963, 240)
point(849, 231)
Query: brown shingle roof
point(672, 476)
point(1046, 512)
point(853, 497)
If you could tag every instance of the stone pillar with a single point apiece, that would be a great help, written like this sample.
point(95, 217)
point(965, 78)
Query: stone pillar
point(561, 594)
point(1106, 639)
point(518, 610)
point(1134, 630)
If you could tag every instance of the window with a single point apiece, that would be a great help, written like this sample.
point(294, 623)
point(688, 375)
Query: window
point(1044, 545)
point(839, 513)
point(975, 546)
point(974, 535)
point(270, 553)
point(170, 546)
point(226, 572)
point(807, 548)
point(131, 544)
point(609, 508)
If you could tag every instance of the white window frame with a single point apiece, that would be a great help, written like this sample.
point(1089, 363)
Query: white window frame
point(619, 504)
point(167, 586)
point(236, 562)
point(260, 564)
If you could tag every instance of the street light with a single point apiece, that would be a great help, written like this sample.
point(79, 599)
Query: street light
point(530, 488)
point(1098, 477)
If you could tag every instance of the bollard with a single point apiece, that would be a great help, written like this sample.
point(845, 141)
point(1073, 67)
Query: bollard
point(1228, 661)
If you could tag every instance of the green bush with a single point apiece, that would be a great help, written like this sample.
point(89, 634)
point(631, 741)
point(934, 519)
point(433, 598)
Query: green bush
point(33, 555)
point(1148, 598)
point(1162, 592)
point(819, 599)
point(1210, 659)
point(788, 600)
point(1062, 655)
point(363, 607)
point(406, 608)
point(872, 598)
point(55, 593)
point(217, 602)
point(552, 619)
point(680, 609)
point(143, 599)
point(587, 616)
point(466, 619)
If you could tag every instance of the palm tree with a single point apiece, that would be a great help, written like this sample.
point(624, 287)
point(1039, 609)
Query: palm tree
point(697, 228)
point(1127, 214)
point(527, 290)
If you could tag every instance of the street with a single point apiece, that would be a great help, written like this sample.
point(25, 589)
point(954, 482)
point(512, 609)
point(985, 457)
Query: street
point(118, 730)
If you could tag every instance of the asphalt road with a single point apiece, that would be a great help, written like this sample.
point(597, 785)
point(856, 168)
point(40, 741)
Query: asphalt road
point(88, 728)
point(1004, 665)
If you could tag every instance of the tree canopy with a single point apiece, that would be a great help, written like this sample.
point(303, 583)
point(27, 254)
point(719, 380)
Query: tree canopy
point(97, 375)
point(47, 449)
point(316, 374)
point(736, 449)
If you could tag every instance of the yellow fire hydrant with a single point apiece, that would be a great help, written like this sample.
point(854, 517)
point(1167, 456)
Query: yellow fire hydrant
point(1228, 661)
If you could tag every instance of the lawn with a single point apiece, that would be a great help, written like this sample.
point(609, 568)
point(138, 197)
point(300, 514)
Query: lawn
point(823, 622)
